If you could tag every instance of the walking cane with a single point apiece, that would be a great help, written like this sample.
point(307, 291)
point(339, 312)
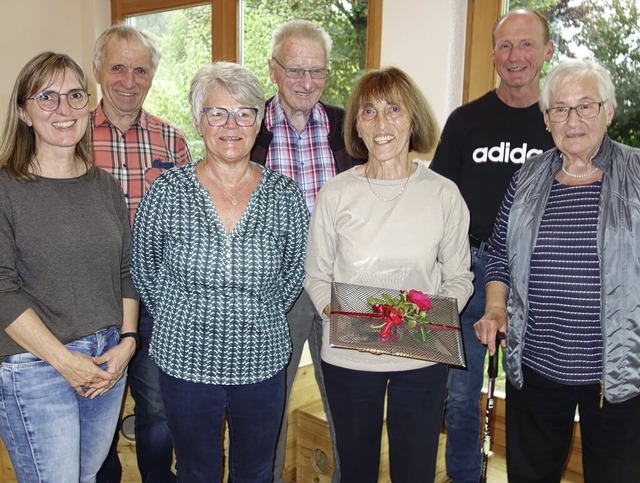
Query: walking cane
point(492, 371)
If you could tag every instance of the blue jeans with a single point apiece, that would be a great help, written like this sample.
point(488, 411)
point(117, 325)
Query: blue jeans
point(305, 324)
point(154, 449)
point(196, 414)
point(462, 413)
point(415, 401)
point(52, 434)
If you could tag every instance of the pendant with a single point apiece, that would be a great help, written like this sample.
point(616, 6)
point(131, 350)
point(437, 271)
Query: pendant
point(234, 201)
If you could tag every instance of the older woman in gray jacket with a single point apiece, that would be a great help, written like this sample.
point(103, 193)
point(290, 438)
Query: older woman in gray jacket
point(562, 283)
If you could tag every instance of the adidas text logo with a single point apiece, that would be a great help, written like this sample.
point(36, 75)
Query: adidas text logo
point(504, 154)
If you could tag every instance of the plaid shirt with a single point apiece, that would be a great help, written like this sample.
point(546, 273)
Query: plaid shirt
point(304, 157)
point(138, 156)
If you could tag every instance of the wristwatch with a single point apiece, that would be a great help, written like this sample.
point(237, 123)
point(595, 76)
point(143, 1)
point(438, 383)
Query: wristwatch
point(134, 335)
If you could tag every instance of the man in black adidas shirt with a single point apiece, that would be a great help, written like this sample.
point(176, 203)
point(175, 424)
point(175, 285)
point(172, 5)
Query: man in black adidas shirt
point(483, 143)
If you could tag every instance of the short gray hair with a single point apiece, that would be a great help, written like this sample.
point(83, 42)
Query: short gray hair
point(300, 29)
point(122, 31)
point(578, 70)
point(241, 83)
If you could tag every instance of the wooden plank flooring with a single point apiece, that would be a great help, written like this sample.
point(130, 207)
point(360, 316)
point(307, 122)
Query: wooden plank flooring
point(305, 398)
point(311, 435)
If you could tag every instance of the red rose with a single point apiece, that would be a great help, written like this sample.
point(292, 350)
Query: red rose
point(420, 299)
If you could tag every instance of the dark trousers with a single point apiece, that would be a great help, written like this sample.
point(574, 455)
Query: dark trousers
point(539, 425)
point(462, 410)
point(196, 414)
point(305, 324)
point(154, 449)
point(415, 402)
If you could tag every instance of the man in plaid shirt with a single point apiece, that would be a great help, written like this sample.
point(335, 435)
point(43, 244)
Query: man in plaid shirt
point(135, 147)
point(301, 138)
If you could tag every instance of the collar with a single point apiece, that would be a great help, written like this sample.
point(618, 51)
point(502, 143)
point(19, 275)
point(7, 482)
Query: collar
point(605, 155)
point(602, 159)
point(99, 118)
point(277, 114)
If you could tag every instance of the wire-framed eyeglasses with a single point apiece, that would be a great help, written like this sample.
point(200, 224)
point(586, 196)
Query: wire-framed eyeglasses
point(586, 110)
point(50, 100)
point(298, 72)
point(218, 116)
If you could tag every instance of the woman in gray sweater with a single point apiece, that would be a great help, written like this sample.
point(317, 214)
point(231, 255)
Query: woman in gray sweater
point(65, 289)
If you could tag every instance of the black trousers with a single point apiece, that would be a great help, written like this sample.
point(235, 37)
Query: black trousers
point(415, 402)
point(539, 425)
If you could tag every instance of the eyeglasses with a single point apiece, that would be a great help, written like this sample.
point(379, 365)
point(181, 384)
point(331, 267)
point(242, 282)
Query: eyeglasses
point(298, 73)
point(218, 116)
point(50, 100)
point(586, 110)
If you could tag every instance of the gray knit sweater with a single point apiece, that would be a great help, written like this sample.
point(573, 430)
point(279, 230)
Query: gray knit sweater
point(65, 253)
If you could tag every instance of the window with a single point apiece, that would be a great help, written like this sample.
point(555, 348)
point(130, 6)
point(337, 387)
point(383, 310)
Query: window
point(184, 38)
point(607, 30)
point(183, 30)
point(479, 74)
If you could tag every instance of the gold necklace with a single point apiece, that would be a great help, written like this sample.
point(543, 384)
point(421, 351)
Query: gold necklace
point(399, 192)
point(234, 199)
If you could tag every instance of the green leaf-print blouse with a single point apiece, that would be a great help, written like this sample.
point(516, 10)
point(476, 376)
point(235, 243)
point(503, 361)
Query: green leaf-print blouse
point(219, 300)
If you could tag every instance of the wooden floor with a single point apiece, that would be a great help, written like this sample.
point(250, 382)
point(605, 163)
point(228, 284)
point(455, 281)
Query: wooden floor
point(497, 470)
point(308, 472)
point(308, 453)
point(311, 436)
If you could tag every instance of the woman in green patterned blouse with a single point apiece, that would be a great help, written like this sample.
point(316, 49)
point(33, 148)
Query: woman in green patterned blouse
point(218, 253)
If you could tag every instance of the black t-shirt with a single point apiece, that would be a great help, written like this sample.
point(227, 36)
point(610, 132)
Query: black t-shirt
point(483, 143)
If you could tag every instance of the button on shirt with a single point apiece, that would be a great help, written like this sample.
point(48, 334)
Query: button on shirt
point(305, 157)
point(136, 157)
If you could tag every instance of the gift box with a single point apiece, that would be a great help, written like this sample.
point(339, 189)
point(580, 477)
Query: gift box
point(353, 327)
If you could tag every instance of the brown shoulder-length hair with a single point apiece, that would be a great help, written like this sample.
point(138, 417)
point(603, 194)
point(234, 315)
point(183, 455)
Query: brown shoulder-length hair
point(392, 85)
point(18, 143)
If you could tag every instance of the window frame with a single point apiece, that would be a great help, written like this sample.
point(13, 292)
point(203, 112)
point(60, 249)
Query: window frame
point(226, 12)
point(479, 73)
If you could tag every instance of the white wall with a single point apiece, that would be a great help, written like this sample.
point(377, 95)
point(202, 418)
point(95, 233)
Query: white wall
point(28, 27)
point(423, 37)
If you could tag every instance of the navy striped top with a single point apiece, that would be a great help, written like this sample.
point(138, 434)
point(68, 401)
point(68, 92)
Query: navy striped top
point(563, 338)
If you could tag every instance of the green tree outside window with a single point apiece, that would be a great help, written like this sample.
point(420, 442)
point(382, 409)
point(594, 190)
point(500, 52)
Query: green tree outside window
point(184, 38)
point(609, 31)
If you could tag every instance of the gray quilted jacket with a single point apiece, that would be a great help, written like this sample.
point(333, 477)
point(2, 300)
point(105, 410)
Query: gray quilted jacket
point(619, 251)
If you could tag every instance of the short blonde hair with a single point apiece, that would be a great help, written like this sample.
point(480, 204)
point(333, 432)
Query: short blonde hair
point(544, 22)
